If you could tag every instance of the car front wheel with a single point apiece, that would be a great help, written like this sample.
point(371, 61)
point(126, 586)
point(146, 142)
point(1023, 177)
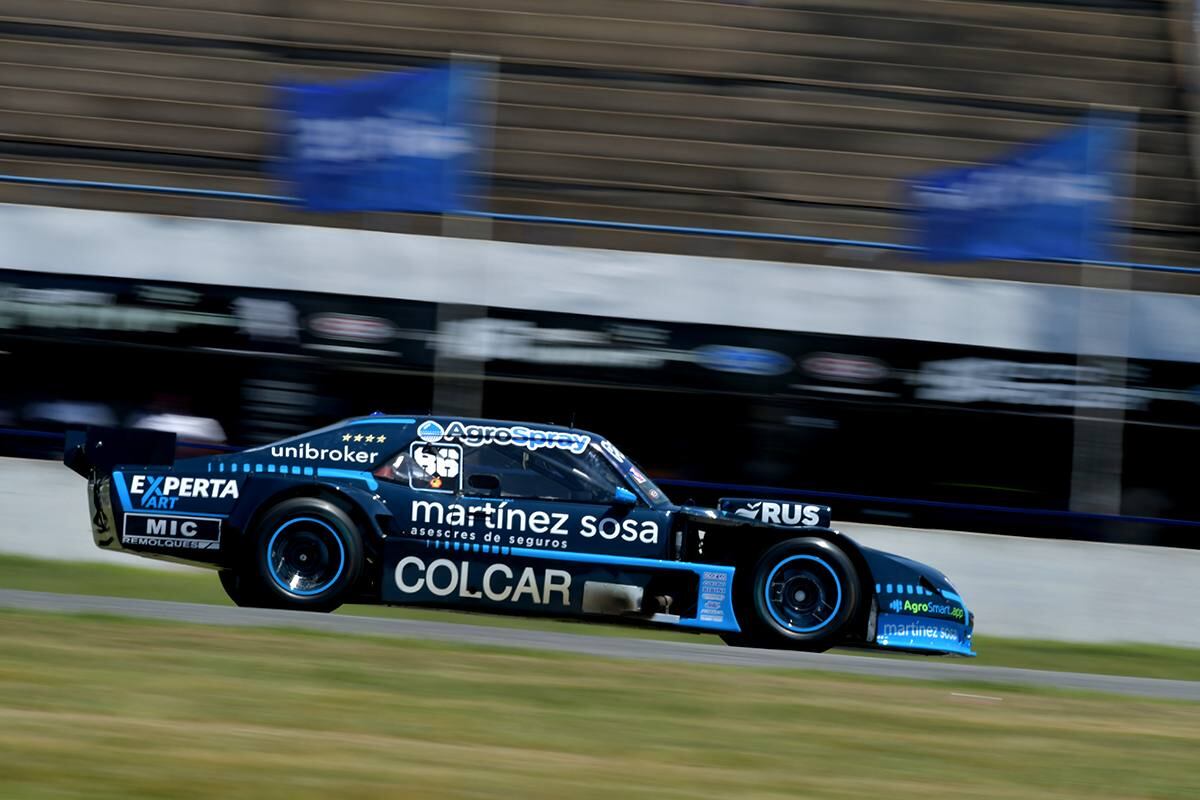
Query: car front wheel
point(801, 595)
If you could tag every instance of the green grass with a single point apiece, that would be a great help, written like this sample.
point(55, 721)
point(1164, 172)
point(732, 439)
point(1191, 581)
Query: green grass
point(110, 709)
point(202, 587)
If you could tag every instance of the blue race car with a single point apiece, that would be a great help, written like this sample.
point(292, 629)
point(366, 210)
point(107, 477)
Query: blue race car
point(488, 515)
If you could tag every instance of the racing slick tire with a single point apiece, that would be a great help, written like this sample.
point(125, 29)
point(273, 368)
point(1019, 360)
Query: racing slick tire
point(305, 554)
point(800, 596)
point(240, 589)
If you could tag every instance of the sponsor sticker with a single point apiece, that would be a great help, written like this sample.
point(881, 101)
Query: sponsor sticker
point(473, 435)
point(430, 431)
point(897, 631)
point(438, 466)
point(497, 582)
point(927, 607)
point(612, 450)
point(346, 455)
point(174, 533)
point(503, 523)
point(796, 514)
point(164, 491)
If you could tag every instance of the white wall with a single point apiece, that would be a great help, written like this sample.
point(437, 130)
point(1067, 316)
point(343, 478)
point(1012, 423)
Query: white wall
point(761, 294)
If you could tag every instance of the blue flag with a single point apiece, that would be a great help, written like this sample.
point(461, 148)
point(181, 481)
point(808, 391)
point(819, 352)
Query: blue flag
point(1053, 198)
point(397, 142)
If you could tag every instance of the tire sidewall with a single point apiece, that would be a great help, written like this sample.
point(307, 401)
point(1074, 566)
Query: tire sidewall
point(825, 556)
point(335, 520)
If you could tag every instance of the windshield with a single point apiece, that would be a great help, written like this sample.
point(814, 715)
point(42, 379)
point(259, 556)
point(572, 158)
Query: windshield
point(653, 495)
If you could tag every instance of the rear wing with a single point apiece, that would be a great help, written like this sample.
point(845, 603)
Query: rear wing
point(99, 449)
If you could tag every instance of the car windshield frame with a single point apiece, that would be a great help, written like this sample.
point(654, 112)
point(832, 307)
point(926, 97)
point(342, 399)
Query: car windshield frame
point(645, 489)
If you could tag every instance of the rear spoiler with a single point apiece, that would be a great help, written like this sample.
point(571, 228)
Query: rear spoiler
point(99, 449)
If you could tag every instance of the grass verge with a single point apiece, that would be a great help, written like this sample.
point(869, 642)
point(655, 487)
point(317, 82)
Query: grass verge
point(105, 708)
point(1137, 660)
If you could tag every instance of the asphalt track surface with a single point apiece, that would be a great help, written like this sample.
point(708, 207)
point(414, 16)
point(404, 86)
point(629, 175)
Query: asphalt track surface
point(933, 669)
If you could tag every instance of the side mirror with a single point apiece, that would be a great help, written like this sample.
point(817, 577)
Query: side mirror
point(484, 482)
point(624, 497)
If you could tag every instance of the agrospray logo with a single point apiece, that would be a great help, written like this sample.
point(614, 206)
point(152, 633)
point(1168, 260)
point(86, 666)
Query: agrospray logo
point(515, 435)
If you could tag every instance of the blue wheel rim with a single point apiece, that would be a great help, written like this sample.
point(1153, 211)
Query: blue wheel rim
point(803, 594)
point(305, 556)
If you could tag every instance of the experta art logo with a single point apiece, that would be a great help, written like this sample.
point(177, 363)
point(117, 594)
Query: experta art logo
point(164, 491)
point(896, 605)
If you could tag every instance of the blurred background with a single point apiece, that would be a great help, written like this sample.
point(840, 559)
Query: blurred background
point(931, 262)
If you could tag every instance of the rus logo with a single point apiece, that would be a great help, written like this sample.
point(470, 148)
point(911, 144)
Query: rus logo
point(781, 513)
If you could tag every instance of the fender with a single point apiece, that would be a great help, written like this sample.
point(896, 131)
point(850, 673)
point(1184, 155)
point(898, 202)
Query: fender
point(263, 492)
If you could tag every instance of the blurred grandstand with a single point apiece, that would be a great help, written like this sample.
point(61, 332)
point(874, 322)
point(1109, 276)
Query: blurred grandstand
point(777, 115)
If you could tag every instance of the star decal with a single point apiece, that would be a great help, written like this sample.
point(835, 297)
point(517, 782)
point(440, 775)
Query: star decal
point(381, 438)
point(346, 438)
point(358, 437)
point(370, 438)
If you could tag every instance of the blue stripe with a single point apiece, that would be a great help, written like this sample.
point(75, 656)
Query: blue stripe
point(383, 421)
point(594, 558)
point(122, 491)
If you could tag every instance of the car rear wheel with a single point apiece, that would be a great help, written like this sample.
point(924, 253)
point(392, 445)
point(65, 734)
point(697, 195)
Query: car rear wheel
point(800, 596)
point(305, 554)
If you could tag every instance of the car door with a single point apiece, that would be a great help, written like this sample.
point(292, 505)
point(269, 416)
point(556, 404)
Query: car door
point(510, 496)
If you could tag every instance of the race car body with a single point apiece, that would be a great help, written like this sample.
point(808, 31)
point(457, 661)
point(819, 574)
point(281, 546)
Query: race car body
point(497, 516)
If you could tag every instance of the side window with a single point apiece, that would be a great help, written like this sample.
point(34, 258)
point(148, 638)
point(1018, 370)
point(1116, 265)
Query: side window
point(494, 470)
point(546, 474)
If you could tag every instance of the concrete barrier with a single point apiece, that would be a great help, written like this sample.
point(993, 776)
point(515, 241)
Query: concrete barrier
point(1062, 590)
point(1034, 588)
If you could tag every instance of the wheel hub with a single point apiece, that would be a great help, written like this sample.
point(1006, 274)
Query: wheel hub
point(803, 593)
point(305, 556)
